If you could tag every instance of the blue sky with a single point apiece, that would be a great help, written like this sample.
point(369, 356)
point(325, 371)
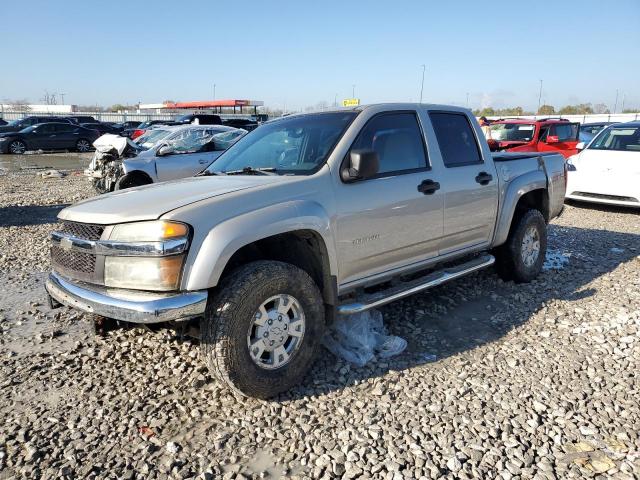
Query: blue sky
point(299, 53)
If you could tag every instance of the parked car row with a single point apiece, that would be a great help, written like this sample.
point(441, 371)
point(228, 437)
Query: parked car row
point(19, 136)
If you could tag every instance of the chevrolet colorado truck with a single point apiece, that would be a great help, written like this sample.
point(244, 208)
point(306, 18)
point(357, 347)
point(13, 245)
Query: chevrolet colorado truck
point(303, 219)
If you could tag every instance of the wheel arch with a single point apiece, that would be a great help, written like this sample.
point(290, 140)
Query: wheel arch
point(525, 192)
point(297, 232)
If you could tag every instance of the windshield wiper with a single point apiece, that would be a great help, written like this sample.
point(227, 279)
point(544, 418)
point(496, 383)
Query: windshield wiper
point(207, 173)
point(252, 171)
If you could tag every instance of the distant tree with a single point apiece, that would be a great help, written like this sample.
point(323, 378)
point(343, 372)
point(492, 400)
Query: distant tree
point(600, 108)
point(485, 112)
point(580, 109)
point(629, 110)
point(546, 110)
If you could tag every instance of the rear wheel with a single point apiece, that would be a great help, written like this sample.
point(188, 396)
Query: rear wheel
point(17, 147)
point(522, 256)
point(262, 328)
point(83, 145)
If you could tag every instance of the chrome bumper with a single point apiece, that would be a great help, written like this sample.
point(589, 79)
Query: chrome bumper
point(127, 305)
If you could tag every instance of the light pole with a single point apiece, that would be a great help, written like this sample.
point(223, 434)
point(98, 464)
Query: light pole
point(335, 100)
point(353, 91)
point(623, 98)
point(539, 97)
point(615, 105)
point(424, 67)
point(214, 91)
point(62, 95)
point(467, 99)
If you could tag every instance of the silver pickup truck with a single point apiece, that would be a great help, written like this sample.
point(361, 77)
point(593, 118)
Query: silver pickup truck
point(305, 218)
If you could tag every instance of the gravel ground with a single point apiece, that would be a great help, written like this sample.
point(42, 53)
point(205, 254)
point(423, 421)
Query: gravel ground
point(528, 381)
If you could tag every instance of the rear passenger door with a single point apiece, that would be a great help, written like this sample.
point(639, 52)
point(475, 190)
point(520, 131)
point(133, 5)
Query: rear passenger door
point(395, 218)
point(470, 183)
point(67, 134)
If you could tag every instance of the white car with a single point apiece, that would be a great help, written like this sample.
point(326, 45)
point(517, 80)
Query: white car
point(608, 169)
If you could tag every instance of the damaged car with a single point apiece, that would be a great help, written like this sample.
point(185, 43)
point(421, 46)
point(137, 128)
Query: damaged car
point(181, 151)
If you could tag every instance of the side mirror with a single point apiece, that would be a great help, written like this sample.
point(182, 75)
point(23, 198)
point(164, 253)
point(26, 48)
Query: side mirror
point(552, 139)
point(362, 164)
point(164, 150)
point(580, 146)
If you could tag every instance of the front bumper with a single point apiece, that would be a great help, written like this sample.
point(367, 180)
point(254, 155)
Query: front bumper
point(127, 305)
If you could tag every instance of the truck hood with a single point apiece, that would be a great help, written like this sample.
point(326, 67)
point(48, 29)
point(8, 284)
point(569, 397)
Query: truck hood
point(152, 201)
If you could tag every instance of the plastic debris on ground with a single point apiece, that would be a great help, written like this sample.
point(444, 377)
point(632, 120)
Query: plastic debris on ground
point(361, 337)
point(556, 260)
point(51, 174)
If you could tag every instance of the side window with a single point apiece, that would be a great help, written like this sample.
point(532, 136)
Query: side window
point(397, 139)
point(65, 128)
point(46, 129)
point(565, 132)
point(457, 142)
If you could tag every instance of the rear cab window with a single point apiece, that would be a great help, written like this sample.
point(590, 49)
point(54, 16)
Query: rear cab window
point(456, 139)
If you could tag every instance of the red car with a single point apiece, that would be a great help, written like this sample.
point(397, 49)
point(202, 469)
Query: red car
point(543, 135)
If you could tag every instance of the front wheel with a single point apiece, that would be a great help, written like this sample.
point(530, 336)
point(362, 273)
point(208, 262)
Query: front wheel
point(522, 256)
point(17, 147)
point(262, 328)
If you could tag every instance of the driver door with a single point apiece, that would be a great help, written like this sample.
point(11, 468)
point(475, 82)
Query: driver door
point(184, 161)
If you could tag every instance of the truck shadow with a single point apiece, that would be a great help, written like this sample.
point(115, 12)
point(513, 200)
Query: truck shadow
point(18, 216)
point(478, 309)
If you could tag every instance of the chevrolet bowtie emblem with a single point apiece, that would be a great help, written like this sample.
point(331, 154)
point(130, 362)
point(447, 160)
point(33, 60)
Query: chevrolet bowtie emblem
point(65, 244)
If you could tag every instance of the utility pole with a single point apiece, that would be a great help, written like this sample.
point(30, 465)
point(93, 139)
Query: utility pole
point(467, 99)
point(62, 96)
point(539, 97)
point(335, 100)
point(623, 98)
point(214, 91)
point(424, 67)
point(615, 105)
point(353, 91)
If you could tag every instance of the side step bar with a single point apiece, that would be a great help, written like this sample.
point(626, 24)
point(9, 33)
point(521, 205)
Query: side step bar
point(433, 279)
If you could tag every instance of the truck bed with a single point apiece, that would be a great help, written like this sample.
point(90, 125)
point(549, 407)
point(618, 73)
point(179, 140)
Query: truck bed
point(506, 156)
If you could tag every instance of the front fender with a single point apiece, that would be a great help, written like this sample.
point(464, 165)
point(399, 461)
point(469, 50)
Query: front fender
point(515, 189)
point(205, 266)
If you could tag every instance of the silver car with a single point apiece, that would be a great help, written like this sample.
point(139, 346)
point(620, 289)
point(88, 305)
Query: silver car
point(181, 151)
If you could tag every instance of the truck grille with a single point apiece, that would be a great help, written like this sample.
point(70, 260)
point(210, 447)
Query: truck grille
point(74, 261)
point(87, 231)
point(78, 265)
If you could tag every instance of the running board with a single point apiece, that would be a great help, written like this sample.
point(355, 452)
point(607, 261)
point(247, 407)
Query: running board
point(433, 279)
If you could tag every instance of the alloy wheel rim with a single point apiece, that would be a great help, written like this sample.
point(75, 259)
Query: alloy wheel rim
point(276, 333)
point(530, 246)
point(83, 145)
point(17, 147)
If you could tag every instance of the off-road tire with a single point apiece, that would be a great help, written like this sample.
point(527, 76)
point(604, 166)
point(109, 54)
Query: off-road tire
point(230, 313)
point(509, 258)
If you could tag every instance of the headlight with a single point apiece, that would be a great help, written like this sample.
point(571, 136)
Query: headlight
point(143, 273)
point(145, 255)
point(148, 231)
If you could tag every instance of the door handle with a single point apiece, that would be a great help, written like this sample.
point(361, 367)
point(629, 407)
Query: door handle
point(202, 162)
point(484, 178)
point(428, 187)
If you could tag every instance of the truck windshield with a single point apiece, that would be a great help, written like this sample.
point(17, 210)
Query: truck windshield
point(623, 139)
point(521, 132)
point(296, 145)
